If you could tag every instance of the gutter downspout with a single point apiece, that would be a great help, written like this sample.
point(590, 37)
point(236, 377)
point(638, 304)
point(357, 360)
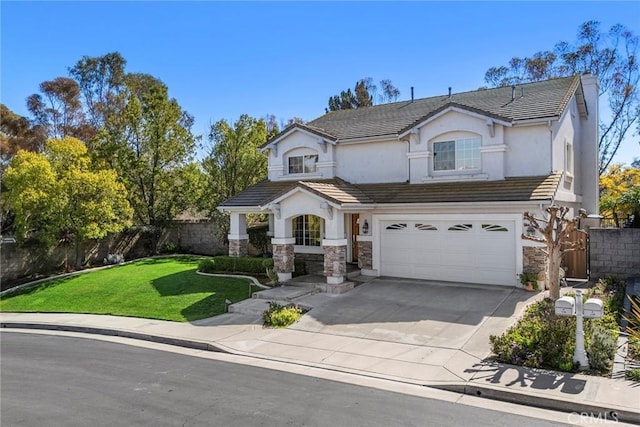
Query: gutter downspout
point(409, 160)
point(550, 144)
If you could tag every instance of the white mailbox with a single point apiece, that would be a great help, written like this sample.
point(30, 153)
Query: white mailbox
point(592, 308)
point(565, 306)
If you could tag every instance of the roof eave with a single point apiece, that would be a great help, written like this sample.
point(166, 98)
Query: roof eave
point(297, 127)
point(457, 108)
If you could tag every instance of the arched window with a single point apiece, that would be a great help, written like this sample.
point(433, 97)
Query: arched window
point(307, 230)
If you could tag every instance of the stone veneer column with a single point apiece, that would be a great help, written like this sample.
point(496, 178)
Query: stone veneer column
point(238, 237)
point(238, 247)
point(365, 250)
point(283, 258)
point(533, 259)
point(335, 260)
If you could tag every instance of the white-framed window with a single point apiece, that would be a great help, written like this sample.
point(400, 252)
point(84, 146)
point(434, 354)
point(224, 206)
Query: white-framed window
point(568, 157)
point(303, 164)
point(459, 154)
point(307, 230)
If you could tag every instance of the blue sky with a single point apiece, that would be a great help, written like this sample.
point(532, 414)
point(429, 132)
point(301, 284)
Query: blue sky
point(223, 59)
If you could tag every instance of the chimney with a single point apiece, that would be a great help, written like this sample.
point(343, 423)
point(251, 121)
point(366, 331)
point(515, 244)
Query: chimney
point(411, 93)
point(513, 93)
point(449, 91)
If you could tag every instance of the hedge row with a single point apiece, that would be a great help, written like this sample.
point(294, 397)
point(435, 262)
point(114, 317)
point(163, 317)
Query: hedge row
point(248, 265)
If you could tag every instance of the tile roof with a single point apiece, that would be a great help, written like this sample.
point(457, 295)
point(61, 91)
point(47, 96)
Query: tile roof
point(536, 100)
point(508, 190)
point(341, 192)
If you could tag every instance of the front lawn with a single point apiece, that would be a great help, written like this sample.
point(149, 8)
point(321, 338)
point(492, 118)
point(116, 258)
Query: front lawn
point(154, 288)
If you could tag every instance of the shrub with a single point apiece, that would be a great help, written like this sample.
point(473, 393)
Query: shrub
point(539, 339)
point(279, 316)
point(249, 265)
point(168, 248)
point(206, 266)
point(634, 375)
point(601, 347)
point(611, 290)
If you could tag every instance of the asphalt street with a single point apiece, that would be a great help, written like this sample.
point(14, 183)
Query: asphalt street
point(67, 381)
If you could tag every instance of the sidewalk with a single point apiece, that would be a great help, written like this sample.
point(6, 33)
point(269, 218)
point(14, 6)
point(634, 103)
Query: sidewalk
point(459, 370)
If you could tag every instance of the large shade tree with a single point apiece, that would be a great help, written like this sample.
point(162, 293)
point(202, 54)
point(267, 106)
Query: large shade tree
point(60, 197)
point(234, 161)
point(151, 145)
point(610, 55)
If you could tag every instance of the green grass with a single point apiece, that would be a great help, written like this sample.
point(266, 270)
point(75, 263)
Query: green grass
point(155, 288)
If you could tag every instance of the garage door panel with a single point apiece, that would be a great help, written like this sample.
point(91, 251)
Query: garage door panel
point(469, 250)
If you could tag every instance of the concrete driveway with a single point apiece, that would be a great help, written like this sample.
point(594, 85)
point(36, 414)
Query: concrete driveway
point(443, 315)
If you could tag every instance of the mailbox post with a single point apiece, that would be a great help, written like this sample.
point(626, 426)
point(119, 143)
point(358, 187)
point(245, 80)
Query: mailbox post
point(591, 309)
point(580, 354)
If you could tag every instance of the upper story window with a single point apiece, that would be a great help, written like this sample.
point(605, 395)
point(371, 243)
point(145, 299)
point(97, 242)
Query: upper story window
point(568, 158)
point(460, 154)
point(303, 164)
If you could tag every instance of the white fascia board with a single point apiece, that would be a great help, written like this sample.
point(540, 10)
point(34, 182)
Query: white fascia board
point(306, 132)
point(240, 209)
point(457, 110)
point(356, 207)
point(531, 122)
point(364, 139)
point(454, 205)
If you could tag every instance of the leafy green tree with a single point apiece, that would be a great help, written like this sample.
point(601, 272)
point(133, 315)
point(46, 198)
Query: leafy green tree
point(60, 198)
point(612, 56)
point(365, 94)
point(101, 81)
point(234, 162)
point(618, 180)
point(151, 145)
point(630, 200)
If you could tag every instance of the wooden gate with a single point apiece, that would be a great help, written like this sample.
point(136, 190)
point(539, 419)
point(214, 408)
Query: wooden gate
point(576, 261)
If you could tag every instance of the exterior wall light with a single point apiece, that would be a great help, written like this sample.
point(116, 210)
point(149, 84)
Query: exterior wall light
point(365, 227)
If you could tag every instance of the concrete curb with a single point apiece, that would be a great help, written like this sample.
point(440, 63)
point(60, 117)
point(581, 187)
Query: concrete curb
point(468, 388)
point(179, 342)
point(529, 399)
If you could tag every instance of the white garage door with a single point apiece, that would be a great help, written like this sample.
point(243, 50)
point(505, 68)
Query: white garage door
point(472, 251)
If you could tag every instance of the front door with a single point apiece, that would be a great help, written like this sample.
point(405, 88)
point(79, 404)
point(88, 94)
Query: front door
point(355, 230)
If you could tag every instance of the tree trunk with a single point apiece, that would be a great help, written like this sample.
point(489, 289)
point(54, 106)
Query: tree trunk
point(78, 260)
point(555, 258)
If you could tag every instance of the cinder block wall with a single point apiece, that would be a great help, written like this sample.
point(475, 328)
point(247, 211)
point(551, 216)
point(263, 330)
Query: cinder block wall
point(614, 251)
point(198, 238)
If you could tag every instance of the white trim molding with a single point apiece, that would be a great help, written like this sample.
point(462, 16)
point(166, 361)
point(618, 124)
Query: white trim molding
point(493, 148)
point(361, 238)
point(283, 241)
point(334, 242)
point(237, 236)
point(420, 155)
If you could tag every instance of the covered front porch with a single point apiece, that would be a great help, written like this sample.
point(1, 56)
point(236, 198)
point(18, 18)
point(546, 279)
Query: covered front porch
point(304, 223)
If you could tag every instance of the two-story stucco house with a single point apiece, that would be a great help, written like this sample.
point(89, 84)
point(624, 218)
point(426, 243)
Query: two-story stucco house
point(431, 188)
